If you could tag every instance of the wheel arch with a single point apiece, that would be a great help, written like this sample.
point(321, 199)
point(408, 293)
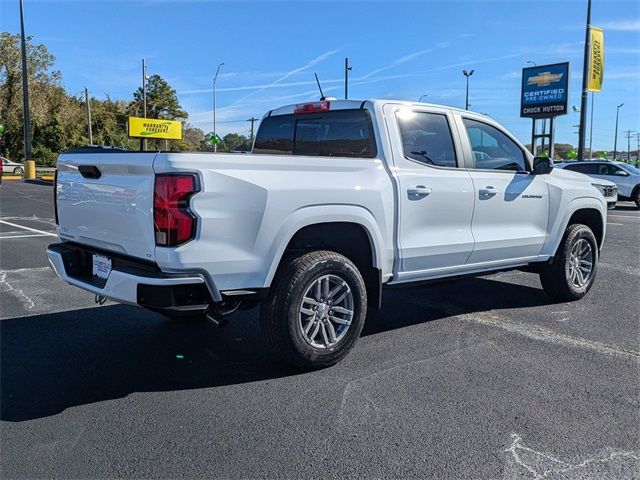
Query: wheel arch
point(359, 239)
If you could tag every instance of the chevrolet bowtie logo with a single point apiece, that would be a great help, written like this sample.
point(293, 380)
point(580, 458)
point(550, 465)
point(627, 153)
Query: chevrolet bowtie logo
point(544, 79)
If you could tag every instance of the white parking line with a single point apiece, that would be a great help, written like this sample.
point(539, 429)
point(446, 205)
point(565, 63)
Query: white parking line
point(22, 236)
point(611, 223)
point(625, 216)
point(28, 228)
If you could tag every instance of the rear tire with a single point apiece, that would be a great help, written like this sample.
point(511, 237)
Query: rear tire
point(573, 270)
point(315, 310)
point(18, 171)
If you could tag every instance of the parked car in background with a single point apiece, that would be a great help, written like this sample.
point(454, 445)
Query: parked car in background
point(11, 167)
point(625, 176)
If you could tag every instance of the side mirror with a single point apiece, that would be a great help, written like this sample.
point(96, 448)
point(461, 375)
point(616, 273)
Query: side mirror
point(542, 166)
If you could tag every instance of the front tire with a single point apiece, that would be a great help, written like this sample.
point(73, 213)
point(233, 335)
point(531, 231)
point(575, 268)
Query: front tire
point(315, 310)
point(636, 198)
point(573, 270)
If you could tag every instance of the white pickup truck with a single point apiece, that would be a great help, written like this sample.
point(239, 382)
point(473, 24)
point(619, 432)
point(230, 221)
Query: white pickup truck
point(338, 199)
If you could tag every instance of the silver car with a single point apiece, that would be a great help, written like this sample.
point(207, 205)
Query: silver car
point(11, 167)
point(625, 176)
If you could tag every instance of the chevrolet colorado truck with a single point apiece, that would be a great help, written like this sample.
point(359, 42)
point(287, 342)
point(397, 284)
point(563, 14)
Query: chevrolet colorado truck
point(338, 199)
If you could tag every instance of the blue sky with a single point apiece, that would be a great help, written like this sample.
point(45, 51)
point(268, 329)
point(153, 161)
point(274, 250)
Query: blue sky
point(397, 49)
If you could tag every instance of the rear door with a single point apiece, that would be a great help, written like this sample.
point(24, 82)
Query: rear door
point(511, 205)
point(105, 200)
point(435, 195)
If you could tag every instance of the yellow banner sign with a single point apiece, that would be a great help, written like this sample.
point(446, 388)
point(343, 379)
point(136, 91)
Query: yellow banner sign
point(596, 60)
point(152, 128)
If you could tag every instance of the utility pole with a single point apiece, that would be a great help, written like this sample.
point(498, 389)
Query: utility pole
point(591, 128)
point(215, 135)
point(638, 148)
point(86, 98)
point(143, 141)
point(252, 120)
point(585, 84)
point(467, 74)
point(347, 69)
point(628, 137)
point(615, 140)
point(25, 92)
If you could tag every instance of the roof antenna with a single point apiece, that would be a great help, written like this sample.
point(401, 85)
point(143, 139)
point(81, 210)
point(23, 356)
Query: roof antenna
point(322, 97)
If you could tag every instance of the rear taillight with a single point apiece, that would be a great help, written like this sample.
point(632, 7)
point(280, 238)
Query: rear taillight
point(55, 195)
point(173, 221)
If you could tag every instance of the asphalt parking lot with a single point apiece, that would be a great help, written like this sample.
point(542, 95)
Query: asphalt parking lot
point(478, 378)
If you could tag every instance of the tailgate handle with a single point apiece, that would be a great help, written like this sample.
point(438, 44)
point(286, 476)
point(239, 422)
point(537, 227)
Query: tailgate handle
point(89, 171)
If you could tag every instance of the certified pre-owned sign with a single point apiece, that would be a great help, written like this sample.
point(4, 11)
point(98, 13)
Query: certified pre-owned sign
point(545, 90)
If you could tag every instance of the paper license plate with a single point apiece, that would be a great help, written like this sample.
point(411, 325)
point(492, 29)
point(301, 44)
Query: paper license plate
point(101, 266)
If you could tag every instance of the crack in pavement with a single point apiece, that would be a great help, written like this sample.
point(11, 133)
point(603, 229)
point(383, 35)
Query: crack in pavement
point(543, 466)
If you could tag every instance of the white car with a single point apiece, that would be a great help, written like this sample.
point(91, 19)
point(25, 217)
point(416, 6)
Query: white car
point(625, 176)
point(339, 199)
point(11, 167)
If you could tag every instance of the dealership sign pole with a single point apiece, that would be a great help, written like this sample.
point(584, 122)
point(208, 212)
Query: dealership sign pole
point(545, 93)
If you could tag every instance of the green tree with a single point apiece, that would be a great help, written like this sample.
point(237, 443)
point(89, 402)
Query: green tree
point(162, 101)
point(44, 83)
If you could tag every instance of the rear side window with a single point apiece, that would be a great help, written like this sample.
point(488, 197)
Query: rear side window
point(338, 133)
point(426, 138)
point(587, 168)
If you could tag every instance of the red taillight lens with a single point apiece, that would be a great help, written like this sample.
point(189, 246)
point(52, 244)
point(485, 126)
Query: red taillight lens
point(173, 221)
point(314, 107)
point(55, 195)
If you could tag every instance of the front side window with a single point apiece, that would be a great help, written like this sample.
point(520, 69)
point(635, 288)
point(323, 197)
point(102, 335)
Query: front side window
point(338, 133)
point(426, 138)
point(492, 149)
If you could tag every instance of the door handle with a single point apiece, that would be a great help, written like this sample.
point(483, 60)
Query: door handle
point(419, 191)
point(488, 191)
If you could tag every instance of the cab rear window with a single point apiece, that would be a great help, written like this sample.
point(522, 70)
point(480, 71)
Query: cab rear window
point(338, 133)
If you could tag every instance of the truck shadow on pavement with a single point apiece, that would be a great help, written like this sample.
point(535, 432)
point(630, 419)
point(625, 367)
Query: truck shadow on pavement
point(60, 360)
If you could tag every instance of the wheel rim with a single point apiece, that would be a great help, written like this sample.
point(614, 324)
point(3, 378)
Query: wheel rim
point(580, 263)
point(326, 311)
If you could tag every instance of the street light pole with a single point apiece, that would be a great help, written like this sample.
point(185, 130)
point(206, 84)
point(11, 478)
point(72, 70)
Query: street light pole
point(86, 98)
point(143, 141)
point(591, 129)
point(615, 140)
point(347, 69)
point(25, 92)
point(585, 84)
point(215, 135)
point(467, 74)
point(422, 96)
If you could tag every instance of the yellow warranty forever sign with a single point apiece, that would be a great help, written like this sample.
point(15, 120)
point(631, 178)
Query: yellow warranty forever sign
point(152, 128)
point(596, 60)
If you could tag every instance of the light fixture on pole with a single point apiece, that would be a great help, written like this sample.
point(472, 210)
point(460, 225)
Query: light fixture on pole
point(615, 140)
point(467, 75)
point(215, 134)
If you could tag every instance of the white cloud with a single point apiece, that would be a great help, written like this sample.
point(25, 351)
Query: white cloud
point(623, 25)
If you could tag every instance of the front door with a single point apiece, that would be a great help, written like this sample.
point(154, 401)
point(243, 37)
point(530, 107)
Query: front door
point(435, 196)
point(511, 205)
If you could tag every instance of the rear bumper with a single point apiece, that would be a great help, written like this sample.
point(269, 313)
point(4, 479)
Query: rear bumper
point(134, 282)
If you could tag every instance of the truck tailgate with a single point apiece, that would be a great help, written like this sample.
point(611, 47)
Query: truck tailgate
point(105, 200)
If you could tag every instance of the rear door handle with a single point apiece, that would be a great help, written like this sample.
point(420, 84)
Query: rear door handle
point(488, 191)
point(419, 191)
